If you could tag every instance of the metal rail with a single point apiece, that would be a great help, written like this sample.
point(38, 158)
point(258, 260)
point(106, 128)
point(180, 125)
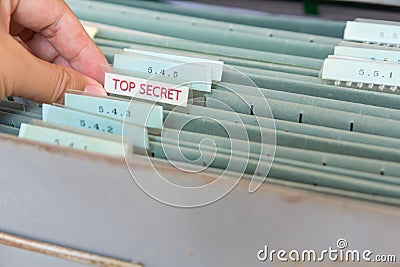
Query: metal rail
point(63, 252)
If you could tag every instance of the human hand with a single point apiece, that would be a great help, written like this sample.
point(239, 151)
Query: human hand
point(44, 50)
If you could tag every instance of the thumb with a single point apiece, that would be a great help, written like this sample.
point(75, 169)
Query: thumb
point(27, 76)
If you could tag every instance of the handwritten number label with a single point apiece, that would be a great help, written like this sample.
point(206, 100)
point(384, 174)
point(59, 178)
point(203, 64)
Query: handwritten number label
point(361, 71)
point(380, 33)
point(70, 139)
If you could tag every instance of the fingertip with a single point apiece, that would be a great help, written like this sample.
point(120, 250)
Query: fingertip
point(95, 89)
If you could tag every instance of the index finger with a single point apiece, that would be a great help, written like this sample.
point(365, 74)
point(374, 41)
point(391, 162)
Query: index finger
point(55, 21)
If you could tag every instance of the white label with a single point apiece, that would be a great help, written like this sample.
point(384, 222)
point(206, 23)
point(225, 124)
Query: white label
point(73, 140)
point(372, 32)
point(215, 66)
point(198, 75)
point(146, 89)
point(137, 135)
point(91, 31)
point(379, 21)
point(366, 53)
point(139, 113)
point(362, 71)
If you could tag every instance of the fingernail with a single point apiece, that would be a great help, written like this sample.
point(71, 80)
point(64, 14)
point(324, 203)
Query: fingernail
point(95, 89)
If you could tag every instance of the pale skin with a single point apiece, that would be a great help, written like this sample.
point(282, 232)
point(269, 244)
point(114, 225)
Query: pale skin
point(44, 50)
